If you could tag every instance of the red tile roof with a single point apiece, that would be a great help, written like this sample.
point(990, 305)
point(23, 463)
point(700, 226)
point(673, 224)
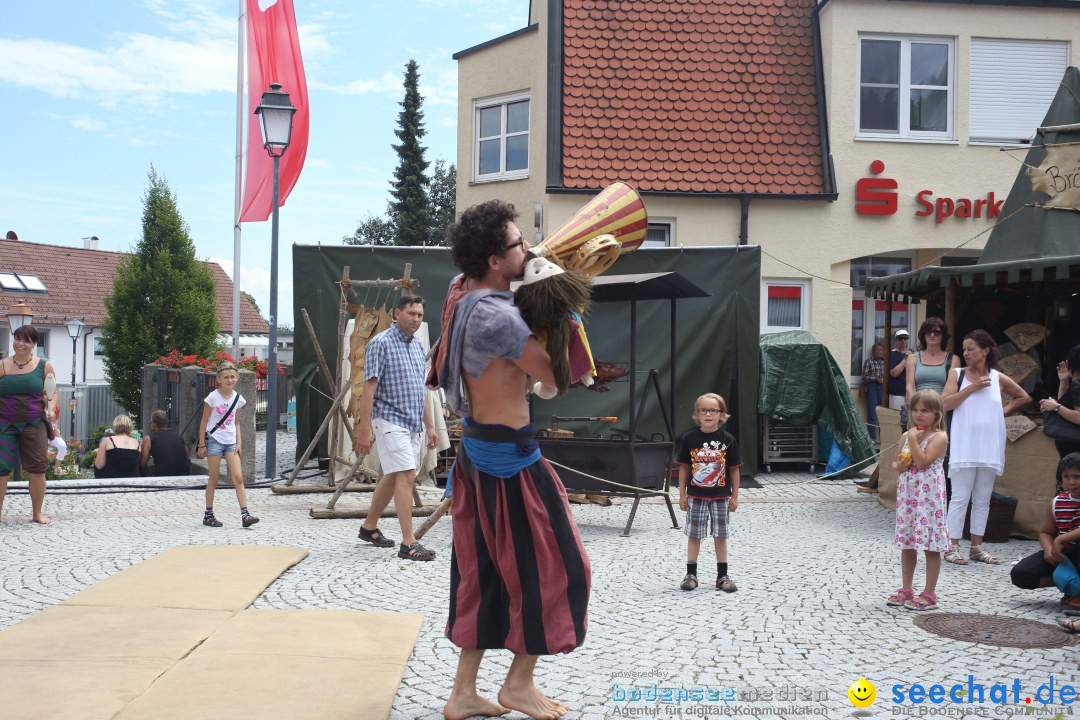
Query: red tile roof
point(698, 96)
point(77, 279)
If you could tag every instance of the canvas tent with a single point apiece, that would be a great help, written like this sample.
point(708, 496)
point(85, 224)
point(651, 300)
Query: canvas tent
point(717, 337)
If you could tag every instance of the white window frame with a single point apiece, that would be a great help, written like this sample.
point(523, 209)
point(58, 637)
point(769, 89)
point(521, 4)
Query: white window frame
point(43, 342)
point(804, 304)
point(5, 342)
point(1012, 83)
point(502, 174)
point(667, 224)
point(904, 131)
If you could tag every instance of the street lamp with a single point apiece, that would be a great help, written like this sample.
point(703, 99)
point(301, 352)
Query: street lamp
point(275, 116)
point(18, 314)
point(74, 328)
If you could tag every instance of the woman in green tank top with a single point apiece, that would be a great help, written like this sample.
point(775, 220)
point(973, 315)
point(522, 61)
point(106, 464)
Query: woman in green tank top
point(23, 427)
point(928, 368)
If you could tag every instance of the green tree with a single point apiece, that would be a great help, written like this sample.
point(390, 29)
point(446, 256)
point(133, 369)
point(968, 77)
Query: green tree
point(410, 209)
point(372, 231)
point(162, 298)
point(443, 200)
point(251, 299)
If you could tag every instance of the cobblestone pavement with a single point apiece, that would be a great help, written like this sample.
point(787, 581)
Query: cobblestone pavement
point(813, 561)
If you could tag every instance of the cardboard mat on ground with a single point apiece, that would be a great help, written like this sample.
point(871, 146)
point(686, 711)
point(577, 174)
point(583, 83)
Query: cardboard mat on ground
point(111, 651)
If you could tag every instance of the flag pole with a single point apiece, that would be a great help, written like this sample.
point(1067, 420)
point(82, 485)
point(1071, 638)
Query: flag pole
point(241, 118)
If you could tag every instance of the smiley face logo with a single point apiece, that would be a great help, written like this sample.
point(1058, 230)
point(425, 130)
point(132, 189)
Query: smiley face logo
point(862, 693)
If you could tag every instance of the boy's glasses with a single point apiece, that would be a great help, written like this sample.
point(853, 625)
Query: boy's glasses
point(709, 411)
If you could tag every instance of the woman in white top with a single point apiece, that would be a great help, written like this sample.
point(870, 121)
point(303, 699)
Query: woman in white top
point(977, 440)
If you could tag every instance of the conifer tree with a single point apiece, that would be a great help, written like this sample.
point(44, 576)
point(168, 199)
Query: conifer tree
point(410, 211)
point(163, 298)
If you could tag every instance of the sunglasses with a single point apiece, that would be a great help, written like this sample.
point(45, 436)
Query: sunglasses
point(933, 331)
point(513, 245)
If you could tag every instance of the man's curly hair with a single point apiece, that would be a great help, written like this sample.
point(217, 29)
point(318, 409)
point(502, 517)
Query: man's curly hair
point(479, 234)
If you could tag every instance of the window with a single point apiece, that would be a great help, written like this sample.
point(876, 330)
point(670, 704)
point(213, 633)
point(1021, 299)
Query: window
point(785, 305)
point(1013, 83)
point(5, 342)
point(660, 233)
point(99, 348)
point(43, 342)
point(32, 282)
point(867, 315)
point(501, 149)
point(906, 88)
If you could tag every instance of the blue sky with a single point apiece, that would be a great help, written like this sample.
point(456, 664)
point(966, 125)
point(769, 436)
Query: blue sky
point(94, 93)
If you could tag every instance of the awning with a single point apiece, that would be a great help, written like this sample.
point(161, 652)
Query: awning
point(910, 286)
point(257, 341)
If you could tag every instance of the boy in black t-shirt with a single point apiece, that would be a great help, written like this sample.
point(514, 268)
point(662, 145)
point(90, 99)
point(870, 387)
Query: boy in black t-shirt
point(709, 465)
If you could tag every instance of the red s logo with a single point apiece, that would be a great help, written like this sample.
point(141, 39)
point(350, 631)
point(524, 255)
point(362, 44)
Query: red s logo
point(872, 196)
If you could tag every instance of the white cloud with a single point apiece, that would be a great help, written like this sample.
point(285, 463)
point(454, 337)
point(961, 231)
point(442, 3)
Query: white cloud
point(85, 122)
point(140, 70)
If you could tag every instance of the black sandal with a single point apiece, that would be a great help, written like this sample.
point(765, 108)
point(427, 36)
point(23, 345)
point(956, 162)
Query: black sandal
point(375, 537)
point(416, 551)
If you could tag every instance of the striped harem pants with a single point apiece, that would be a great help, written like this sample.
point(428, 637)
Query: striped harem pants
point(519, 575)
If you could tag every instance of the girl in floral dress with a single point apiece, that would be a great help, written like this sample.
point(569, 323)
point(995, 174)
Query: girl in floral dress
point(921, 507)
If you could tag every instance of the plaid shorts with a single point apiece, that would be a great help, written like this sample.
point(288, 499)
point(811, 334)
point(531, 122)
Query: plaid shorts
point(698, 516)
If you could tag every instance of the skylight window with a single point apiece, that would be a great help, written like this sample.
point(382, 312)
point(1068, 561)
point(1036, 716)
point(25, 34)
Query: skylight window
point(32, 282)
point(8, 281)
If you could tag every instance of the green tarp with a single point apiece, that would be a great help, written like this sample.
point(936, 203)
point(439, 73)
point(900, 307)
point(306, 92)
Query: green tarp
point(716, 337)
point(801, 384)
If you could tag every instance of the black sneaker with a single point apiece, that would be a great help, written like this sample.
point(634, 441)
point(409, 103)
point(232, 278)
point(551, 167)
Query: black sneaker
point(211, 521)
point(249, 520)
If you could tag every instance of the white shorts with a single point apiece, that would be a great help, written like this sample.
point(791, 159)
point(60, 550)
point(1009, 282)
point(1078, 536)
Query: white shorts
point(397, 446)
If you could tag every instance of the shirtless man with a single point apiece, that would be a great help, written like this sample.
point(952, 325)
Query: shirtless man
point(519, 576)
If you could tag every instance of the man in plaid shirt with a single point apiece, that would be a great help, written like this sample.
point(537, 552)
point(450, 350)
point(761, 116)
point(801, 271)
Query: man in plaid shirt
point(393, 416)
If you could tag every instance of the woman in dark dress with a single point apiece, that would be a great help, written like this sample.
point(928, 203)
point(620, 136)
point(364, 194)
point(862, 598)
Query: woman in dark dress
point(1067, 403)
point(118, 454)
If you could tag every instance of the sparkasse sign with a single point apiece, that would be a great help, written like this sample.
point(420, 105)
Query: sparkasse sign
point(878, 196)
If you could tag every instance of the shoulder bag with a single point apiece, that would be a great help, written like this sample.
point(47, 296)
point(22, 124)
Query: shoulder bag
point(1056, 427)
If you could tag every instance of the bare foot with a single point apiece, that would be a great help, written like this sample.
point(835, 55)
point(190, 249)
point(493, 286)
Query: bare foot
point(459, 707)
point(41, 519)
point(532, 702)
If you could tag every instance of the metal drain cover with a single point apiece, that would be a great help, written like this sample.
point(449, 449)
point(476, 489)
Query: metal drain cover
point(994, 630)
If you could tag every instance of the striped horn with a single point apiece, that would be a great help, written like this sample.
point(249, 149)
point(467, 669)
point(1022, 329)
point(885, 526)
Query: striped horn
point(617, 212)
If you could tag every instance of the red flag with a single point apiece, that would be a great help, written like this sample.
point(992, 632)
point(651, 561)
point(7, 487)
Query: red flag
point(273, 56)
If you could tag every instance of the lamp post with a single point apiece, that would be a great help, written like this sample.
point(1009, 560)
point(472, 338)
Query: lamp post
point(18, 315)
point(74, 328)
point(275, 117)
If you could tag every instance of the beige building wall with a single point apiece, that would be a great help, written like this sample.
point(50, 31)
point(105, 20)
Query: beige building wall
point(809, 240)
point(513, 65)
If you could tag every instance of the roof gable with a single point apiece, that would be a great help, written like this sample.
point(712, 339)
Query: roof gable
point(79, 278)
point(694, 96)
